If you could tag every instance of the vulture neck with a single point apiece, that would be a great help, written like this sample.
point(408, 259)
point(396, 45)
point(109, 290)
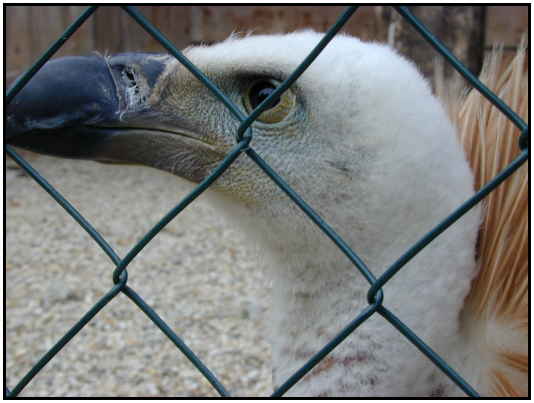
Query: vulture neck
point(317, 291)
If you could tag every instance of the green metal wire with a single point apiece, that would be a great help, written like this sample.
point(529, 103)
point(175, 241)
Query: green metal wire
point(244, 136)
point(524, 140)
point(340, 243)
point(158, 35)
point(227, 161)
point(460, 67)
point(178, 342)
point(102, 302)
point(426, 350)
point(117, 275)
point(447, 222)
point(317, 357)
point(328, 36)
point(63, 202)
point(21, 82)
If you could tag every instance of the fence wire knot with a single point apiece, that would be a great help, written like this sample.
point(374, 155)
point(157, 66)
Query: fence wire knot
point(524, 140)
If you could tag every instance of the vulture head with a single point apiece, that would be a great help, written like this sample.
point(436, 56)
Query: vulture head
point(359, 110)
point(359, 136)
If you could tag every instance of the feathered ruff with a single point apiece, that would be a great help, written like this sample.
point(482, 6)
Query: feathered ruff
point(496, 314)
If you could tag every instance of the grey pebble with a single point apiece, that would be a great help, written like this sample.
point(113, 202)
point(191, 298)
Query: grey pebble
point(198, 274)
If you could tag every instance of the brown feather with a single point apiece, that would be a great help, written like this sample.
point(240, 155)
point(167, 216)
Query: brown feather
point(499, 295)
point(503, 387)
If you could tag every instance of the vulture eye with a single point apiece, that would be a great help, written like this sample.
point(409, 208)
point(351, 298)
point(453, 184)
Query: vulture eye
point(279, 108)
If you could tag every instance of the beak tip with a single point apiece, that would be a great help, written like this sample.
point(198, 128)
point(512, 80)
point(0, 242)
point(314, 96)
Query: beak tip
point(64, 107)
point(61, 94)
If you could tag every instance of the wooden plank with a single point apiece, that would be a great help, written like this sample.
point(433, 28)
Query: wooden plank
point(42, 25)
point(174, 22)
point(135, 38)
point(17, 41)
point(108, 36)
point(31, 29)
point(83, 41)
point(46, 26)
point(214, 23)
point(460, 28)
point(506, 25)
point(116, 31)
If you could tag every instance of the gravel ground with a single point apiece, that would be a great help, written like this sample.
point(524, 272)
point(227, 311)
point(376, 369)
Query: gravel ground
point(197, 274)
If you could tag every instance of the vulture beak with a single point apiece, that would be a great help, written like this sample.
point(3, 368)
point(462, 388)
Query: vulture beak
point(109, 109)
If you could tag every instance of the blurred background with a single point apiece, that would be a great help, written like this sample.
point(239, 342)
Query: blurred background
point(198, 273)
point(469, 31)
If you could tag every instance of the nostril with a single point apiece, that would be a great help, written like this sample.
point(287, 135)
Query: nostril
point(129, 76)
point(134, 95)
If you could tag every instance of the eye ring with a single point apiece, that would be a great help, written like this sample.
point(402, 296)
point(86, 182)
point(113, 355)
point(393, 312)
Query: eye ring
point(280, 107)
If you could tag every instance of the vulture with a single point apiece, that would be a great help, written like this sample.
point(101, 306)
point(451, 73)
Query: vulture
point(361, 137)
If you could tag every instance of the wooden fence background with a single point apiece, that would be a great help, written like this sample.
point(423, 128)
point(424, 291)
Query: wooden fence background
point(468, 30)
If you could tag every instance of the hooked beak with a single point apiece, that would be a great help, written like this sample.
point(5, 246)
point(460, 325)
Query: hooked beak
point(107, 109)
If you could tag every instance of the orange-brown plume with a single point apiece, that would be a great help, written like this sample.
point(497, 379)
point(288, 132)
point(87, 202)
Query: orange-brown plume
point(497, 305)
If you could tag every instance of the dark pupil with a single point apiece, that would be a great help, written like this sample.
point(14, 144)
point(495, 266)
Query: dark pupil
point(259, 92)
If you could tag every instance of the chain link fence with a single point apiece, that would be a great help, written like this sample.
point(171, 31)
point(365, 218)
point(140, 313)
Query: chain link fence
point(243, 138)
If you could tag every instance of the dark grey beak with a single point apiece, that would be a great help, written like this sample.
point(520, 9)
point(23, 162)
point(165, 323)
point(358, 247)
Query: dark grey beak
point(59, 109)
point(114, 110)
